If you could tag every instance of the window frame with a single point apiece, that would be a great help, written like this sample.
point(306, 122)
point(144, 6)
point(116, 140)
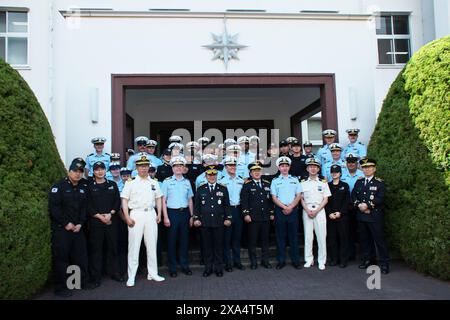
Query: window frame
point(23, 35)
point(394, 37)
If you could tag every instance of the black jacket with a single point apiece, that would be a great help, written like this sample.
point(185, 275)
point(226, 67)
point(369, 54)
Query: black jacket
point(163, 172)
point(257, 202)
point(298, 166)
point(339, 200)
point(102, 198)
point(372, 195)
point(212, 208)
point(67, 203)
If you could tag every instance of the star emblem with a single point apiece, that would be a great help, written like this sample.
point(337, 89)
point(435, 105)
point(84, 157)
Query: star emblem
point(225, 46)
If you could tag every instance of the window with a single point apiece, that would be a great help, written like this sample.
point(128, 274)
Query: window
point(14, 37)
point(393, 38)
point(311, 129)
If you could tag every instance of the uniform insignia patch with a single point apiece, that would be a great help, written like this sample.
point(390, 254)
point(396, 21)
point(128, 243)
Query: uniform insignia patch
point(319, 188)
point(153, 188)
point(54, 190)
point(81, 191)
point(219, 201)
point(371, 197)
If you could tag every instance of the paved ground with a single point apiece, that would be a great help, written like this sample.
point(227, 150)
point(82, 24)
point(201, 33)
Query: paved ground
point(262, 284)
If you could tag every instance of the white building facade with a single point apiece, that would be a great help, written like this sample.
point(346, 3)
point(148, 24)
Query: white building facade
point(125, 68)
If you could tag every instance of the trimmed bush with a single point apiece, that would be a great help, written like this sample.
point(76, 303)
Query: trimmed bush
point(428, 84)
point(418, 199)
point(29, 164)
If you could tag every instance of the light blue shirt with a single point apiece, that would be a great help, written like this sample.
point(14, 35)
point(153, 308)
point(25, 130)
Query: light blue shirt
point(234, 186)
point(155, 160)
point(356, 148)
point(242, 170)
point(351, 180)
point(201, 179)
point(177, 192)
point(247, 158)
point(327, 166)
point(93, 158)
point(120, 183)
point(131, 164)
point(285, 188)
point(324, 154)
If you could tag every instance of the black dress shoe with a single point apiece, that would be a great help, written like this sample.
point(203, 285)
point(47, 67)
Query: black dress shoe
point(384, 269)
point(280, 265)
point(219, 274)
point(64, 293)
point(173, 274)
point(118, 278)
point(187, 271)
point(266, 265)
point(239, 266)
point(253, 266)
point(343, 265)
point(206, 273)
point(228, 268)
point(296, 265)
point(365, 264)
point(332, 263)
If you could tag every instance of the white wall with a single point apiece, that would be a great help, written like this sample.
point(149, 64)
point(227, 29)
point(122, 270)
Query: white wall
point(86, 55)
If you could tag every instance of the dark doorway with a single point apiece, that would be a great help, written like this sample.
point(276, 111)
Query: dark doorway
point(122, 82)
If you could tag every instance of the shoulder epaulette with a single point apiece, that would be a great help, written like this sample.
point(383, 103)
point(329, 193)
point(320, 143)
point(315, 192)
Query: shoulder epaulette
point(202, 184)
point(90, 154)
point(155, 179)
point(324, 181)
point(168, 178)
point(302, 180)
point(248, 180)
point(359, 178)
point(378, 179)
point(107, 153)
point(267, 181)
point(132, 179)
point(221, 184)
point(241, 177)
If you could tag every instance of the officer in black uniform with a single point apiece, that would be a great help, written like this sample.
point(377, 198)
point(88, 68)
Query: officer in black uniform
point(337, 218)
point(368, 199)
point(165, 170)
point(258, 210)
point(103, 209)
point(284, 149)
point(212, 212)
point(298, 165)
point(67, 207)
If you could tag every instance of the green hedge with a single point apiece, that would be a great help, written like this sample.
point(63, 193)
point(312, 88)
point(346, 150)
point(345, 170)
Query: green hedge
point(428, 84)
point(29, 163)
point(418, 199)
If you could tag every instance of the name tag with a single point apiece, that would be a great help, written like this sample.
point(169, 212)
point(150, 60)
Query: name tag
point(373, 188)
point(267, 188)
point(219, 194)
point(111, 188)
point(319, 188)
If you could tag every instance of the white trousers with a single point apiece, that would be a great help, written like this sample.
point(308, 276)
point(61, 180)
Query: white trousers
point(145, 226)
point(318, 224)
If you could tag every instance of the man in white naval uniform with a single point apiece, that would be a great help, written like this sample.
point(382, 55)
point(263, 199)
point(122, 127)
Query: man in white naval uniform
point(315, 197)
point(140, 196)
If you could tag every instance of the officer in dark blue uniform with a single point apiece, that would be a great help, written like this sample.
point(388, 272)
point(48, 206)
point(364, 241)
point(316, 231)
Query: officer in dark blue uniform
point(298, 165)
point(258, 210)
point(164, 171)
point(67, 206)
point(368, 199)
point(212, 212)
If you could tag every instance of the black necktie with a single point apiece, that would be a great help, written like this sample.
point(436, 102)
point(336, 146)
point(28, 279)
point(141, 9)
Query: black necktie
point(259, 184)
point(367, 182)
point(211, 188)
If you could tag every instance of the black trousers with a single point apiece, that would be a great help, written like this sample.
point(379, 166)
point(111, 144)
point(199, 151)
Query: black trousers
point(122, 246)
point(337, 238)
point(372, 232)
point(212, 238)
point(258, 229)
point(68, 248)
point(100, 233)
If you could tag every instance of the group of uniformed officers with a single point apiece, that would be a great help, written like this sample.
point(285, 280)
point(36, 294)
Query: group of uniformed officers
point(188, 186)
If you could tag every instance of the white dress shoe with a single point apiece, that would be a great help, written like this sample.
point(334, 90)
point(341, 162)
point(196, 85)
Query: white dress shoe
point(156, 278)
point(321, 267)
point(308, 264)
point(130, 283)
